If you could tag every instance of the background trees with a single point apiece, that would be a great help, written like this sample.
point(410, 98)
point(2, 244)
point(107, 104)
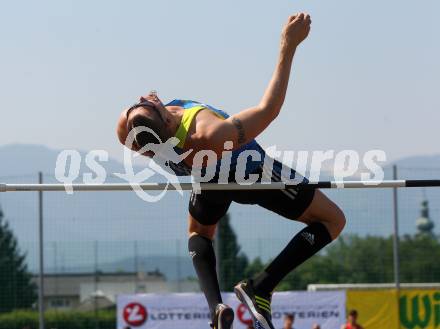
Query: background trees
point(355, 259)
point(16, 289)
point(233, 262)
point(350, 259)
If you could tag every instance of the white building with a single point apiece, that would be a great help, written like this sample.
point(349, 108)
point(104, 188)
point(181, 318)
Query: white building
point(76, 290)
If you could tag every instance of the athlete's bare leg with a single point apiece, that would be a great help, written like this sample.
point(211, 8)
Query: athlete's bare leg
point(194, 227)
point(325, 211)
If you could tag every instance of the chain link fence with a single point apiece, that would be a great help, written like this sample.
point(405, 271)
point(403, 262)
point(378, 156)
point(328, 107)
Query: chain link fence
point(98, 245)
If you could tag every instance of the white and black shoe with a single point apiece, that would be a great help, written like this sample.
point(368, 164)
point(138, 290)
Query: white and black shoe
point(223, 318)
point(258, 306)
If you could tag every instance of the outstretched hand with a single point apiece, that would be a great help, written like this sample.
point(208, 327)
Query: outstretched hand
point(296, 30)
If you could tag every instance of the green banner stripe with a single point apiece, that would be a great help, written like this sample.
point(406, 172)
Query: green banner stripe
point(262, 300)
point(262, 304)
point(264, 307)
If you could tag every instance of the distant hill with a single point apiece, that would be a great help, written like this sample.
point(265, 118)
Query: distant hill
point(425, 161)
point(22, 159)
point(27, 160)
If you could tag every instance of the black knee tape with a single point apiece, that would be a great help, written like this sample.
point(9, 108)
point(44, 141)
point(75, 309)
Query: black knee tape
point(202, 253)
point(201, 247)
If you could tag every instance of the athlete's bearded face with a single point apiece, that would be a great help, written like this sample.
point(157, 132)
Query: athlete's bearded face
point(152, 108)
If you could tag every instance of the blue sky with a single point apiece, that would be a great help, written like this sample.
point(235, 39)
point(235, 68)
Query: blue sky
point(367, 78)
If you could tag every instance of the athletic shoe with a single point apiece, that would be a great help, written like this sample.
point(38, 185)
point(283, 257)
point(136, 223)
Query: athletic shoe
point(258, 306)
point(223, 318)
point(258, 325)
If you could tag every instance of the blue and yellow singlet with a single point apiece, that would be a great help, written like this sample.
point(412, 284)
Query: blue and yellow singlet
point(191, 109)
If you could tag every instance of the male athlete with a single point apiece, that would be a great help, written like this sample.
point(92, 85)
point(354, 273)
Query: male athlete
point(201, 127)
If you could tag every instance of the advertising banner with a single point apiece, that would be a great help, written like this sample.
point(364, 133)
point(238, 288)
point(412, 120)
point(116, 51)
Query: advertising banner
point(172, 311)
point(384, 309)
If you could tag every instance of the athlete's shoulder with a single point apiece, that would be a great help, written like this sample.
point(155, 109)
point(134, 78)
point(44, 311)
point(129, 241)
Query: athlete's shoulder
point(185, 103)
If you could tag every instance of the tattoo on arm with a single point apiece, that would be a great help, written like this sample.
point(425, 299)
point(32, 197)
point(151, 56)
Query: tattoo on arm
point(241, 135)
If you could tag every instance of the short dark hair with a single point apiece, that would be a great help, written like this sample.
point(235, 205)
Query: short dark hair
point(353, 313)
point(143, 138)
point(290, 316)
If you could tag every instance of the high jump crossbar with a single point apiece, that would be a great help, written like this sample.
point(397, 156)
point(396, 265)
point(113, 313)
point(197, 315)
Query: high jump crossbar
point(219, 186)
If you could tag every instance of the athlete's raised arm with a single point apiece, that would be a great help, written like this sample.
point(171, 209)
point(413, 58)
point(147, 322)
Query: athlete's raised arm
point(248, 124)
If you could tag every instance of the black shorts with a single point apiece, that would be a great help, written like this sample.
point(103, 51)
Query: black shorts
point(208, 207)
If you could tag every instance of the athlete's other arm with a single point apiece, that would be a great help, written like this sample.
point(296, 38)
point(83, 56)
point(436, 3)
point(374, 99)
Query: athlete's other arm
point(246, 125)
